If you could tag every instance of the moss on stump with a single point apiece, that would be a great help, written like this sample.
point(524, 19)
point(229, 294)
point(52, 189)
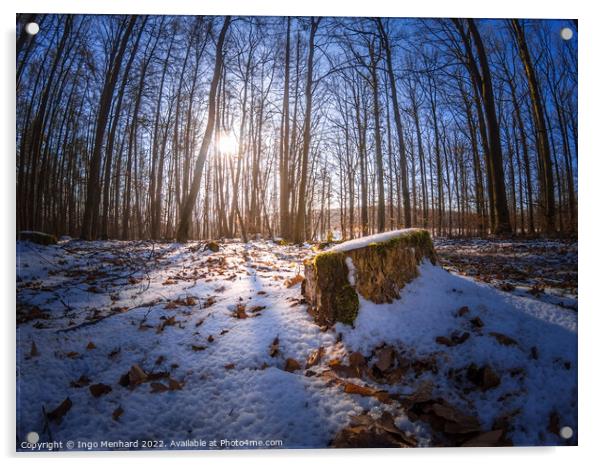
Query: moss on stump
point(380, 270)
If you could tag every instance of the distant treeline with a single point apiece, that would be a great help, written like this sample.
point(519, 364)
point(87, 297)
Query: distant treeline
point(204, 127)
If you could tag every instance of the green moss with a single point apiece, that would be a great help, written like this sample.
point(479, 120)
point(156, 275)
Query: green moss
point(331, 274)
point(382, 269)
point(418, 239)
point(347, 305)
point(328, 259)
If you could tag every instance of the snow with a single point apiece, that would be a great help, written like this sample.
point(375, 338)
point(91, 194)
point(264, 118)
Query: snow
point(247, 402)
point(351, 268)
point(366, 240)
point(428, 308)
point(234, 389)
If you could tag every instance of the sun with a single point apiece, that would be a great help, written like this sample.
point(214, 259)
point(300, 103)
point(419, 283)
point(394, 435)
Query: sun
point(227, 143)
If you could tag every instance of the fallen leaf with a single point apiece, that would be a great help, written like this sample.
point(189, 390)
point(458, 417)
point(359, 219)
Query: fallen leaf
point(117, 413)
point(477, 322)
point(291, 365)
point(157, 387)
point(229, 366)
point(90, 346)
point(34, 350)
point(137, 375)
point(385, 358)
point(99, 389)
point(174, 384)
point(210, 301)
point(59, 412)
point(367, 432)
point(503, 339)
point(190, 301)
point(423, 393)
point(290, 282)
point(357, 359)
point(492, 438)
point(239, 311)
point(83, 381)
point(483, 377)
point(274, 347)
point(314, 357)
point(359, 390)
point(171, 321)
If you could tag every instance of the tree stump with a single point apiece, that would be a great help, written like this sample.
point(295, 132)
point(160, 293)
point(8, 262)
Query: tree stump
point(377, 267)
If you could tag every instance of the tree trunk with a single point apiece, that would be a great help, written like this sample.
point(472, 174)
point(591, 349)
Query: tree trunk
point(186, 214)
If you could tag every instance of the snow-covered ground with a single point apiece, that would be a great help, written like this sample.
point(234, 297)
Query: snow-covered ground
point(220, 347)
point(546, 269)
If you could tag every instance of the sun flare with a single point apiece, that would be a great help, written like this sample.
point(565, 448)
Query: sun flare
point(227, 143)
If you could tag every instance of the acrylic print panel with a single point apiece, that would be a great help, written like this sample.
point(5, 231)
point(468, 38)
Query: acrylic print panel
point(295, 232)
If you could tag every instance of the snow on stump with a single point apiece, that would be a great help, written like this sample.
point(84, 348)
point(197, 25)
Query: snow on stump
point(377, 267)
point(37, 237)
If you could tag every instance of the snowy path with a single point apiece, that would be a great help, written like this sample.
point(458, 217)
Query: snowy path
point(202, 325)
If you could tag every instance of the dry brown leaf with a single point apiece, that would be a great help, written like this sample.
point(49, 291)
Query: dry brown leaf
point(117, 413)
point(359, 390)
point(229, 366)
point(157, 387)
point(423, 393)
point(90, 346)
point(83, 381)
point(290, 282)
point(256, 309)
point(314, 357)
point(503, 339)
point(366, 432)
point(274, 347)
point(492, 438)
point(357, 359)
point(99, 389)
point(292, 365)
point(175, 385)
point(385, 358)
point(167, 322)
point(137, 375)
point(210, 301)
point(59, 412)
point(34, 350)
point(240, 312)
point(190, 301)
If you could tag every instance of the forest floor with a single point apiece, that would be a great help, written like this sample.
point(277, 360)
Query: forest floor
point(178, 345)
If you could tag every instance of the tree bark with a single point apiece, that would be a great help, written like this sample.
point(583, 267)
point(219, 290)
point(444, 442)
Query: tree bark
point(186, 214)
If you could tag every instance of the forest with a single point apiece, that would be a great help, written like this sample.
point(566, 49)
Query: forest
point(168, 127)
point(295, 232)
